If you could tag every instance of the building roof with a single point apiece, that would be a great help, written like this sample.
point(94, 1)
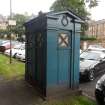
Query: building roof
point(69, 12)
point(55, 15)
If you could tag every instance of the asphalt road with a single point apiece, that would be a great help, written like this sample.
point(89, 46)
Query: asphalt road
point(89, 87)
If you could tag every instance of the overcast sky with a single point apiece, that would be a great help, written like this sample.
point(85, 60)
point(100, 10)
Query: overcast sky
point(22, 6)
point(98, 12)
point(34, 6)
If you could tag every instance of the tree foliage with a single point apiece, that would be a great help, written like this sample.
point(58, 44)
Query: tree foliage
point(20, 20)
point(19, 28)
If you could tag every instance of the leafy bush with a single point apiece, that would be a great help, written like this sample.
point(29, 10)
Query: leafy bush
point(90, 38)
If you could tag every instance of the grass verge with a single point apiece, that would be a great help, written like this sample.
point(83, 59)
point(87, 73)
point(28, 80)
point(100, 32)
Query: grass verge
point(74, 100)
point(9, 71)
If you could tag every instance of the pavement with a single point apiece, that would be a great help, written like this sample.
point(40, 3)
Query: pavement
point(18, 92)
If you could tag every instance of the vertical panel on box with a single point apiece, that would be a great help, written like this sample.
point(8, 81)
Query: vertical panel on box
point(40, 61)
point(51, 57)
point(64, 50)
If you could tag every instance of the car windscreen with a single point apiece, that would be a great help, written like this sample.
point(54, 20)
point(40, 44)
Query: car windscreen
point(89, 56)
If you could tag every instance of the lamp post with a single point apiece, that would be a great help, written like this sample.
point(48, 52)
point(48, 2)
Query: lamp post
point(10, 31)
point(11, 23)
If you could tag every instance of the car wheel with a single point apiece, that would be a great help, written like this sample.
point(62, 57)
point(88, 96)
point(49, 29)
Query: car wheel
point(91, 75)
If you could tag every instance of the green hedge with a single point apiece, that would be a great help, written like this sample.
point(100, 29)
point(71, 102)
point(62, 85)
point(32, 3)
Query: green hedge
point(91, 38)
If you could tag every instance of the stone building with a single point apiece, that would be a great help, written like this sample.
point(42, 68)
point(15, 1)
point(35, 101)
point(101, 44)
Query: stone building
point(96, 29)
point(3, 23)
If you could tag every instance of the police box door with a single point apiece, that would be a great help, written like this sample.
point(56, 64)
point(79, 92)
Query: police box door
point(64, 56)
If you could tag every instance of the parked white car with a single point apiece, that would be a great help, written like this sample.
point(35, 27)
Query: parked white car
point(14, 50)
point(21, 55)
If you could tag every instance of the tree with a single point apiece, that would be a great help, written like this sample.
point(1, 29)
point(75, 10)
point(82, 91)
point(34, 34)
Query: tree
point(20, 20)
point(3, 32)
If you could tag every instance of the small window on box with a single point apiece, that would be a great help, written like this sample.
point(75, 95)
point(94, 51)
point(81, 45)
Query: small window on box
point(63, 40)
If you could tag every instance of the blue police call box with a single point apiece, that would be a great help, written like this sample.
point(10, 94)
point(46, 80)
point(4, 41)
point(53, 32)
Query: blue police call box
point(52, 52)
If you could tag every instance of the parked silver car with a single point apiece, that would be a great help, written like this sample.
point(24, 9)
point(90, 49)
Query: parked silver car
point(91, 64)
